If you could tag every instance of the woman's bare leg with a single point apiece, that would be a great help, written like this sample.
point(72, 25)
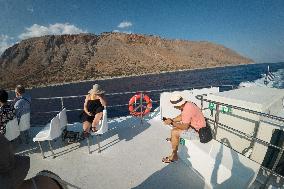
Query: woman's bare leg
point(86, 126)
point(97, 119)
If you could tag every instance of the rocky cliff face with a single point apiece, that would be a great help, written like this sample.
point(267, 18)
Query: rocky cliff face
point(66, 58)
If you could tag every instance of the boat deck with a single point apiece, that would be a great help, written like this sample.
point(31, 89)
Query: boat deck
point(130, 158)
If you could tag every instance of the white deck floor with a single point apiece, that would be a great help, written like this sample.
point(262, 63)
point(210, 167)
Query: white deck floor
point(130, 158)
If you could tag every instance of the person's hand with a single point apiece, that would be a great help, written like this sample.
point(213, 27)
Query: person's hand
point(168, 121)
point(89, 113)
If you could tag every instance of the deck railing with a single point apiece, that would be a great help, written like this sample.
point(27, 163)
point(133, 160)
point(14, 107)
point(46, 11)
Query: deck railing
point(217, 124)
point(125, 93)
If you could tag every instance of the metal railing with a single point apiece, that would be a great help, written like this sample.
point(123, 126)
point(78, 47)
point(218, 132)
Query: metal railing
point(124, 93)
point(254, 139)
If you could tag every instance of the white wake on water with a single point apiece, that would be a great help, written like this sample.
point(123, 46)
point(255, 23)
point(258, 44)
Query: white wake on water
point(278, 81)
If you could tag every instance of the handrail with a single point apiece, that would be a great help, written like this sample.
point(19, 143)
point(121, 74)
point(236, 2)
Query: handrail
point(252, 138)
point(134, 92)
point(200, 97)
point(122, 93)
point(80, 109)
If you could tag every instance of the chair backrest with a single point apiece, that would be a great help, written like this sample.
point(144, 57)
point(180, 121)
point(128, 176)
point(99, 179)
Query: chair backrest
point(55, 130)
point(63, 118)
point(12, 129)
point(103, 126)
point(25, 122)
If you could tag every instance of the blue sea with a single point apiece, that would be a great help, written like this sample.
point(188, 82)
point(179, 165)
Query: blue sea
point(244, 75)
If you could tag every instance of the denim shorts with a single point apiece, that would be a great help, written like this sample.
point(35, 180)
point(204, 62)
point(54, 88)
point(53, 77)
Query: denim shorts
point(190, 134)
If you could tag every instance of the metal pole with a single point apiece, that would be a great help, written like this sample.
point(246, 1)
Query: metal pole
point(141, 108)
point(41, 150)
point(98, 141)
point(88, 142)
point(62, 104)
point(216, 120)
point(201, 101)
point(51, 149)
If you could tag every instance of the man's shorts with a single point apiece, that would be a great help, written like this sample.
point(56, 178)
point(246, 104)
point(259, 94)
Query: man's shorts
point(190, 134)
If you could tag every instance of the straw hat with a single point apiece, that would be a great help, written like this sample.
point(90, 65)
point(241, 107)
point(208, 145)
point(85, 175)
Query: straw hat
point(96, 90)
point(13, 168)
point(177, 99)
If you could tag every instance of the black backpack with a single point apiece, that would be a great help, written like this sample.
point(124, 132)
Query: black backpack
point(205, 133)
point(70, 136)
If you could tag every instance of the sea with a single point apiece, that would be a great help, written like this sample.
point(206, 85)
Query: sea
point(120, 90)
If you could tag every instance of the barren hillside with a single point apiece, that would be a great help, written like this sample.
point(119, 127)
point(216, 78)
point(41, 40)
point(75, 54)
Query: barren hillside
point(67, 58)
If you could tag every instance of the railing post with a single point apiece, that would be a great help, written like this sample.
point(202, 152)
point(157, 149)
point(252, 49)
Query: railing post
point(216, 120)
point(141, 108)
point(201, 102)
point(62, 104)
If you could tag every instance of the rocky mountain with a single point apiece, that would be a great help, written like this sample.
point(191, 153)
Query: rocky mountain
point(68, 58)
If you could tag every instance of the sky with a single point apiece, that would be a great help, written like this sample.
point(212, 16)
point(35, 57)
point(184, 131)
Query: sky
point(253, 28)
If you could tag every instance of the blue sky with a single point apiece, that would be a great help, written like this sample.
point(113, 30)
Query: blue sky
point(253, 28)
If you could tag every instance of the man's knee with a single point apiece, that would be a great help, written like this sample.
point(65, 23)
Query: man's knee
point(176, 132)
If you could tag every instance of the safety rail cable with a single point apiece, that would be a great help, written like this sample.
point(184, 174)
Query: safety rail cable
point(134, 92)
point(80, 109)
point(223, 126)
point(123, 93)
point(253, 139)
point(200, 97)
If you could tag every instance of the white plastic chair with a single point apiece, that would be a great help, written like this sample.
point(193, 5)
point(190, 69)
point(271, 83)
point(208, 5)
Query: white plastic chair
point(50, 132)
point(63, 119)
point(12, 129)
point(25, 124)
point(102, 128)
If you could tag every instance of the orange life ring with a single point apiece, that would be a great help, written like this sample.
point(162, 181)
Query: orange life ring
point(137, 111)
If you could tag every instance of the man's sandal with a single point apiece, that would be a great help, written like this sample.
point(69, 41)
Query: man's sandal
point(168, 139)
point(94, 129)
point(168, 160)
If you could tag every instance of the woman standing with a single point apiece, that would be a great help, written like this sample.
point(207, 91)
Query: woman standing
point(7, 111)
point(93, 110)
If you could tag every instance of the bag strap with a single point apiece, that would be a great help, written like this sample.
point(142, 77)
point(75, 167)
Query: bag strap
point(26, 100)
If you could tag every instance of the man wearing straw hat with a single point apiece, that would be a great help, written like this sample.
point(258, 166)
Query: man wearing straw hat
point(187, 123)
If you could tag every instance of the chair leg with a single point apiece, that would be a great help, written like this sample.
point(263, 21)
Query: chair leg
point(98, 141)
point(41, 150)
point(27, 136)
point(51, 149)
point(88, 141)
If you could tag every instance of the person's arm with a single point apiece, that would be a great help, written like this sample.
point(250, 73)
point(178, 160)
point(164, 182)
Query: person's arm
point(177, 119)
point(103, 100)
point(182, 126)
point(12, 113)
point(18, 107)
point(85, 106)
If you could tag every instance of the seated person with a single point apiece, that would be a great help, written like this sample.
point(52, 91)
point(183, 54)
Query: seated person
point(93, 110)
point(7, 111)
point(22, 102)
point(14, 169)
point(189, 122)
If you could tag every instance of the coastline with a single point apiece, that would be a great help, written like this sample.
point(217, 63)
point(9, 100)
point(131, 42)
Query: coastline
point(137, 75)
